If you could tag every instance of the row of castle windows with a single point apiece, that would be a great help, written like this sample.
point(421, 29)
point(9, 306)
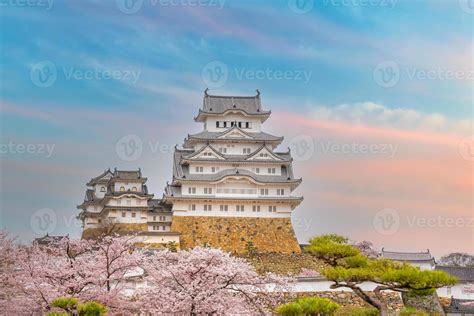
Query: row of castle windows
point(157, 227)
point(122, 188)
point(200, 169)
point(128, 202)
point(225, 124)
point(192, 190)
point(238, 208)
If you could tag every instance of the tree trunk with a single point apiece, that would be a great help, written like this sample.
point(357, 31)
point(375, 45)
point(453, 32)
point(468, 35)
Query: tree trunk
point(383, 308)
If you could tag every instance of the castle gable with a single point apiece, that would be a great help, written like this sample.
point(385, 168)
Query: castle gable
point(263, 153)
point(235, 132)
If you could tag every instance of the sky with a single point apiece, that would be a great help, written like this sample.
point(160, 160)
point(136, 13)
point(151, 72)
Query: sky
point(373, 97)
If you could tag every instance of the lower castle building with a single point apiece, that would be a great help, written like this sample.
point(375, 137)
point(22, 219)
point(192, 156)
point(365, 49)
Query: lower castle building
point(230, 188)
point(119, 202)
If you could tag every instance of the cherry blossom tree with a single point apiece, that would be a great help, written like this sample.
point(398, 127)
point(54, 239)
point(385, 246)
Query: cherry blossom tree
point(367, 249)
point(87, 270)
point(207, 281)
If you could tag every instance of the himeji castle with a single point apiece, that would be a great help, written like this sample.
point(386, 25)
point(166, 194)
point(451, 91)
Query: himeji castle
point(230, 187)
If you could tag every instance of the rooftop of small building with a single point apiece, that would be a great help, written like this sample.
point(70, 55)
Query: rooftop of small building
point(407, 256)
point(464, 274)
point(47, 239)
point(220, 104)
point(108, 176)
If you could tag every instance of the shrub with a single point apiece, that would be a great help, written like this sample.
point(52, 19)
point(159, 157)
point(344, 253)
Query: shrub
point(408, 311)
point(309, 306)
point(66, 303)
point(357, 311)
point(290, 309)
point(91, 309)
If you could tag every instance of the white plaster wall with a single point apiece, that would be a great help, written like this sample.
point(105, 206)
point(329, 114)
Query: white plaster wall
point(140, 216)
point(164, 239)
point(458, 291)
point(98, 193)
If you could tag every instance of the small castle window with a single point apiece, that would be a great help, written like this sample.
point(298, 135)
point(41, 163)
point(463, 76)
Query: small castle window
point(247, 124)
point(134, 189)
point(134, 214)
point(122, 188)
point(102, 189)
point(124, 214)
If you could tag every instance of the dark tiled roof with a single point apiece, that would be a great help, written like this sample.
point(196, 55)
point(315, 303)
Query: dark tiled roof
point(47, 239)
point(157, 206)
point(221, 104)
point(464, 274)
point(127, 175)
point(407, 256)
point(102, 178)
point(260, 136)
point(181, 171)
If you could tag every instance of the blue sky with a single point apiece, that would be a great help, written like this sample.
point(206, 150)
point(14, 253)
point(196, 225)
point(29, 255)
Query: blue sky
point(333, 54)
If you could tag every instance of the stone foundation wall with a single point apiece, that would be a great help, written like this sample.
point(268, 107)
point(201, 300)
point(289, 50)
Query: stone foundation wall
point(92, 233)
point(428, 303)
point(232, 233)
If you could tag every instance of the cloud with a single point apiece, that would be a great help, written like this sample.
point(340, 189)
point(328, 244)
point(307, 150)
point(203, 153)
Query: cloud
point(378, 115)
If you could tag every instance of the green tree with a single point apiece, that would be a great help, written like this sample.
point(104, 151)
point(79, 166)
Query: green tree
point(250, 248)
point(309, 306)
point(68, 304)
point(71, 306)
point(91, 309)
point(172, 246)
point(348, 268)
